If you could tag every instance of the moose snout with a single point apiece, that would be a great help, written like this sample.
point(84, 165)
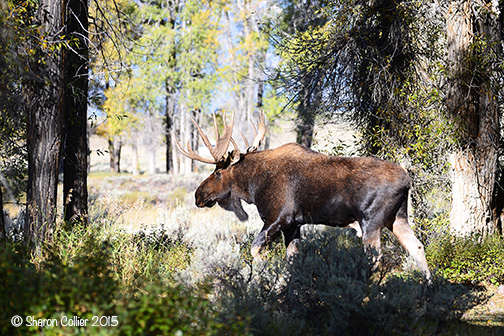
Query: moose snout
point(199, 202)
point(204, 201)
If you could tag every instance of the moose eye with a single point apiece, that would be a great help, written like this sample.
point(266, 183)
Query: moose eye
point(218, 174)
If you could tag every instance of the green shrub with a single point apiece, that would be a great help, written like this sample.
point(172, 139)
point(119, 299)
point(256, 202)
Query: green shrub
point(83, 283)
point(143, 254)
point(172, 309)
point(470, 260)
point(55, 288)
point(330, 288)
point(19, 286)
point(150, 254)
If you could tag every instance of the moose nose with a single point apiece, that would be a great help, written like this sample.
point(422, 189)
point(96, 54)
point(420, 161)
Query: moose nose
point(199, 203)
point(200, 200)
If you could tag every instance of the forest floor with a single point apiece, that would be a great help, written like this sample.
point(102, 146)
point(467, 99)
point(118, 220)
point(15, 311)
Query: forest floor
point(164, 193)
point(490, 313)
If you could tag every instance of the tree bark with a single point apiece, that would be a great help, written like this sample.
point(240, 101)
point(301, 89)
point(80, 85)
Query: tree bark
point(44, 103)
point(76, 88)
point(3, 231)
point(115, 146)
point(304, 128)
point(169, 113)
point(472, 105)
point(171, 91)
point(306, 109)
point(194, 135)
point(498, 206)
point(136, 164)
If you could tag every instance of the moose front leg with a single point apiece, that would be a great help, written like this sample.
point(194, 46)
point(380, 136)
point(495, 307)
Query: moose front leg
point(292, 236)
point(265, 237)
point(269, 233)
point(371, 241)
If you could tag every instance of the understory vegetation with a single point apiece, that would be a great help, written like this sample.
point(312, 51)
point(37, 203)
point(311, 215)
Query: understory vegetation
point(171, 269)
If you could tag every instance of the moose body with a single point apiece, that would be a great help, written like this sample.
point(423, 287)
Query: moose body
point(292, 185)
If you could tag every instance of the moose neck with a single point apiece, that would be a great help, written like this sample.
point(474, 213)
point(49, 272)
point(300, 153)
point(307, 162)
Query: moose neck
point(245, 176)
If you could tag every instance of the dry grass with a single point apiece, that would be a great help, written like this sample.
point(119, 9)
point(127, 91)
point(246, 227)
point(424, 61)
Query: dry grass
point(152, 203)
point(133, 203)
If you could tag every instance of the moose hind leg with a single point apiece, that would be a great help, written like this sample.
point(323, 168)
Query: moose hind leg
point(292, 236)
point(415, 248)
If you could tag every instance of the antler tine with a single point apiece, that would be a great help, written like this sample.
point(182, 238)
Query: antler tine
point(222, 144)
point(216, 129)
point(254, 128)
point(204, 137)
point(244, 140)
point(261, 131)
point(235, 145)
point(192, 155)
point(219, 151)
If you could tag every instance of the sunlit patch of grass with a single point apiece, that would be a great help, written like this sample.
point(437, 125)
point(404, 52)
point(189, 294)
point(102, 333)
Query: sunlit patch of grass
point(137, 196)
point(137, 258)
point(113, 211)
point(134, 256)
point(12, 209)
point(178, 196)
point(102, 174)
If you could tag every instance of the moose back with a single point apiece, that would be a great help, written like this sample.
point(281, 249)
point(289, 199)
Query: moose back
point(292, 185)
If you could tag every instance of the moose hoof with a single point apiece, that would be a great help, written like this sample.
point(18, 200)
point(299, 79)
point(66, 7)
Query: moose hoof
point(256, 253)
point(293, 248)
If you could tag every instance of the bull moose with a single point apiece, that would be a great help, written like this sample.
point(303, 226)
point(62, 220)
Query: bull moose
point(292, 185)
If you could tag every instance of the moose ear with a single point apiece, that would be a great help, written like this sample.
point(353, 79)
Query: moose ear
point(231, 158)
point(235, 157)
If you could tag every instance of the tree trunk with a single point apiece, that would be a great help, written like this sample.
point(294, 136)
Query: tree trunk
point(473, 107)
point(194, 135)
point(304, 128)
point(3, 231)
point(260, 93)
point(44, 104)
point(136, 165)
point(185, 137)
point(169, 113)
point(306, 110)
point(76, 89)
point(498, 206)
point(171, 91)
point(115, 146)
point(175, 156)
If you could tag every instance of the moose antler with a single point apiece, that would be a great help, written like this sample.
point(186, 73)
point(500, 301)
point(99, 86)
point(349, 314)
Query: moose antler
point(219, 151)
point(260, 132)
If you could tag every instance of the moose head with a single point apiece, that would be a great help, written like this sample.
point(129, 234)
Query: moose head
point(217, 188)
